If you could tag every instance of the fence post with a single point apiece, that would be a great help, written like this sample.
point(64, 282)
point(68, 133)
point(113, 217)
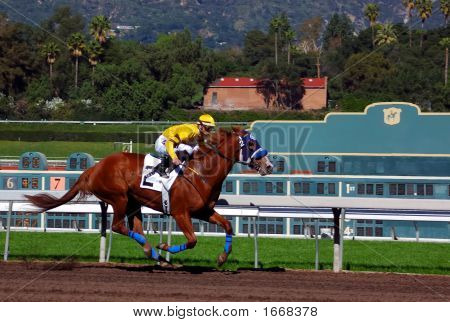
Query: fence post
point(104, 209)
point(8, 229)
point(160, 227)
point(169, 235)
point(317, 244)
point(110, 238)
point(341, 238)
point(416, 227)
point(255, 234)
point(336, 240)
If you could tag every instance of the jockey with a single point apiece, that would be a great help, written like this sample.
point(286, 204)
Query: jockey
point(182, 138)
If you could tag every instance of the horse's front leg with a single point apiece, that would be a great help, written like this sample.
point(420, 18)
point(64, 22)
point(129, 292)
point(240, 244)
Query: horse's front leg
point(185, 223)
point(225, 224)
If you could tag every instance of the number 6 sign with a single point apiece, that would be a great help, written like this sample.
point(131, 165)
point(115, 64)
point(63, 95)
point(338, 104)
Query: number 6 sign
point(57, 183)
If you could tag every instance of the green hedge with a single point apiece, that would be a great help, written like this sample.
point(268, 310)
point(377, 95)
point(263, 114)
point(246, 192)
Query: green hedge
point(52, 135)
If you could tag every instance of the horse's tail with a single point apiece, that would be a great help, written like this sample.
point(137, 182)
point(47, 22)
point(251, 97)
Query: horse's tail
point(46, 201)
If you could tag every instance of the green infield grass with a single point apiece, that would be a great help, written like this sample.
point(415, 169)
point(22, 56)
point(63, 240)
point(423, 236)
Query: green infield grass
point(380, 256)
point(62, 149)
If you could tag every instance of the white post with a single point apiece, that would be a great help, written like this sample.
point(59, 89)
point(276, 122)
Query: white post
point(341, 238)
point(44, 221)
point(169, 235)
point(317, 244)
point(8, 228)
point(160, 231)
point(110, 239)
point(255, 233)
point(336, 240)
point(416, 226)
point(131, 146)
point(103, 223)
point(202, 228)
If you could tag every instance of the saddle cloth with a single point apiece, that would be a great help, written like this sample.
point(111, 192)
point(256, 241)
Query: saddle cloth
point(153, 181)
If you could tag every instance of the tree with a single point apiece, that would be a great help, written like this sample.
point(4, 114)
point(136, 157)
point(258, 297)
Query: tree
point(63, 23)
point(371, 12)
point(19, 59)
point(445, 42)
point(280, 86)
point(371, 75)
point(310, 31)
point(50, 50)
point(289, 35)
point(257, 47)
point(76, 45)
point(99, 28)
point(339, 30)
point(424, 9)
point(386, 35)
point(278, 25)
point(94, 51)
point(445, 9)
point(409, 6)
point(275, 25)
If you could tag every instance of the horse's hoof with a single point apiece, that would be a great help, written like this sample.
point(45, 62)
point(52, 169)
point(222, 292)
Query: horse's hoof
point(222, 259)
point(165, 264)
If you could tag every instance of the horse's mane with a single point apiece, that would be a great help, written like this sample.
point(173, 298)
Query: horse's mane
point(215, 139)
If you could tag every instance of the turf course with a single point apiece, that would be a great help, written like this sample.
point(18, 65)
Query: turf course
point(402, 257)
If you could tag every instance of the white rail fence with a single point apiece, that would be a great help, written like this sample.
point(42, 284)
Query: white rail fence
point(254, 207)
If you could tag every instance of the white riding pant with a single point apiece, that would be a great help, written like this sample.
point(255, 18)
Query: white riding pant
point(160, 146)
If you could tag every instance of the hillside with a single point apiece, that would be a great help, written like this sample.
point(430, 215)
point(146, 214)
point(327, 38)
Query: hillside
point(218, 22)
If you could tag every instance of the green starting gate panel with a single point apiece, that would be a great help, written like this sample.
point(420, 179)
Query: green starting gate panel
point(33, 161)
point(79, 161)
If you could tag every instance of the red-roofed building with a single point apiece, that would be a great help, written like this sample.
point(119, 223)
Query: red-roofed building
point(240, 93)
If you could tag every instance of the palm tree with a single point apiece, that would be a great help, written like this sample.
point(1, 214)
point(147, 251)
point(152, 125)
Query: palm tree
point(386, 35)
point(371, 12)
point(409, 6)
point(445, 9)
point(50, 50)
point(94, 51)
point(76, 46)
point(275, 26)
point(99, 28)
point(289, 35)
point(424, 8)
point(445, 42)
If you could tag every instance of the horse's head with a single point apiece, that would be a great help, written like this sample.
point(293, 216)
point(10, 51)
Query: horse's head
point(251, 152)
point(240, 146)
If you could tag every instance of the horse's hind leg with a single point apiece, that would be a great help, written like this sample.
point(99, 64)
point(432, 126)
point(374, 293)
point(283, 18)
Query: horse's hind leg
point(225, 224)
point(185, 224)
point(120, 206)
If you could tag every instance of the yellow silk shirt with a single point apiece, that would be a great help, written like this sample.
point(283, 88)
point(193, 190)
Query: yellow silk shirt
point(183, 133)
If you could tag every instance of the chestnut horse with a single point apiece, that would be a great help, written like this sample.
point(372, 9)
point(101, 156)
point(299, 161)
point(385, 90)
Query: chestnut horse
point(116, 181)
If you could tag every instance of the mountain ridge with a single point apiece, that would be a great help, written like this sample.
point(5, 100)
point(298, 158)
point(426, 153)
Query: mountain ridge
point(217, 22)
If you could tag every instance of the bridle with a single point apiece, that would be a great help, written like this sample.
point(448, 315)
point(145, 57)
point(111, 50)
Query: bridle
point(219, 153)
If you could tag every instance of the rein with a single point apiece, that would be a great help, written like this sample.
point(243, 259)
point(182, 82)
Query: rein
point(219, 153)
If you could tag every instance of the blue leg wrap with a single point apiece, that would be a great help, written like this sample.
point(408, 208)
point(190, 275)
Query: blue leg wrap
point(228, 239)
point(137, 237)
point(176, 248)
point(155, 254)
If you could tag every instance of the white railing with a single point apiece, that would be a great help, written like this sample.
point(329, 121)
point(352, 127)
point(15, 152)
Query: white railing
point(363, 208)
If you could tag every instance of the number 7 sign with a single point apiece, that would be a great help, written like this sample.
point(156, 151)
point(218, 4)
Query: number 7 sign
point(57, 183)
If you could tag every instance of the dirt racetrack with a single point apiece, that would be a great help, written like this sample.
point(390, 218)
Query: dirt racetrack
point(45, 281)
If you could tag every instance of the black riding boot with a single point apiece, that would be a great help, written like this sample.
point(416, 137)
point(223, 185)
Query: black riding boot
point(163, 166)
